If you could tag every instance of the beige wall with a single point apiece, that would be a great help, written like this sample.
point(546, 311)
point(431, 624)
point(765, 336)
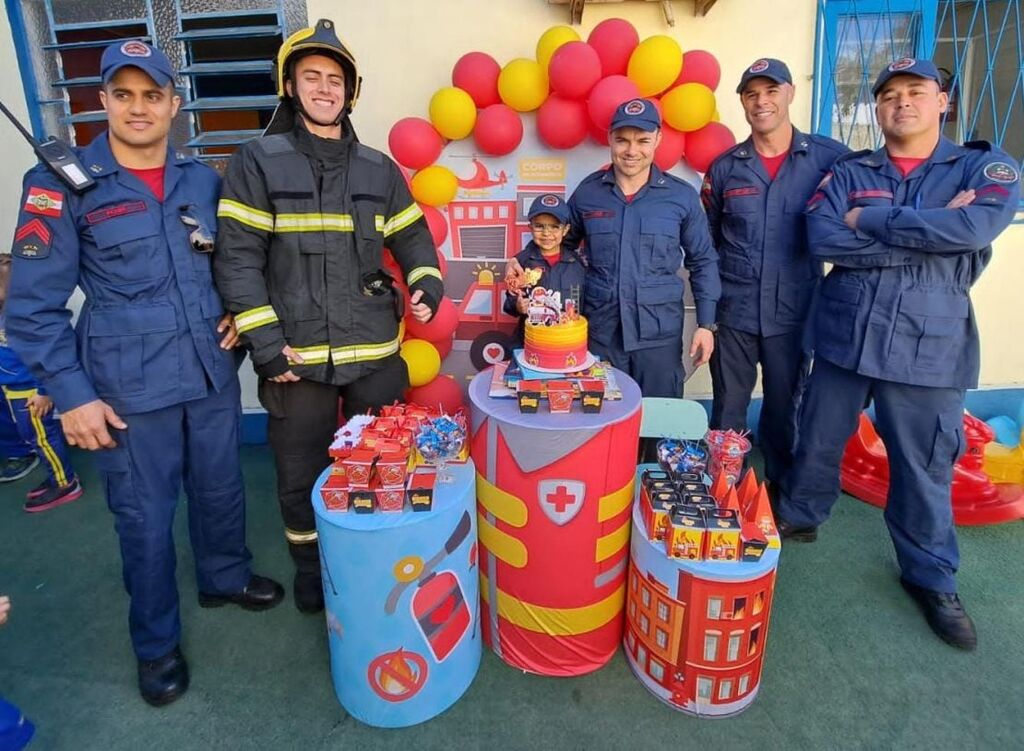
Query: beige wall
point(406, 50)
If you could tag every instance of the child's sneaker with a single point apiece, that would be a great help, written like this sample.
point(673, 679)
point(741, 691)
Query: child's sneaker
point(53, 495)
point(18, 467)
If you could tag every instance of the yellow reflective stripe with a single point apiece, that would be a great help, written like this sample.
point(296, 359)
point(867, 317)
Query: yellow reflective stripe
point(228, 209)
point(299, 538)
point(500, 545)
point(402, 219)
point(378, 222)
point(615, 503)
point(314, 223)
point(59, 473)
point(318, 354)
point(501, 505)
point(611, 544)
point(21, 393)
point(362, 352)
point(421, 271)
point(253, 318)
point(556, 621)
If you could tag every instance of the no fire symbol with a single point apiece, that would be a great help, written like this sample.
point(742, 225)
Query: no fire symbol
point(397, 676)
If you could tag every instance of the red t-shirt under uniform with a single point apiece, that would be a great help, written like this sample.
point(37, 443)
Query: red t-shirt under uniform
point(153, 177)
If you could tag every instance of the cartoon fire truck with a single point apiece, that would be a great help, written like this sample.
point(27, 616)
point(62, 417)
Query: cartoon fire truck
point(483, 321)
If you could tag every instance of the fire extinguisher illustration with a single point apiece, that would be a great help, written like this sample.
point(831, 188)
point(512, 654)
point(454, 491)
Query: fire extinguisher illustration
point(438, 605)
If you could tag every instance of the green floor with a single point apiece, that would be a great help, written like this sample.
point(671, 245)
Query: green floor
point(850, 662)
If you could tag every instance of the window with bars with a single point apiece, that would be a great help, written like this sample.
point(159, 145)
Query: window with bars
point(223, 51)
point(977, 44)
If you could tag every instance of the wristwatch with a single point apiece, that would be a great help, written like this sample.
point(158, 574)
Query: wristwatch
point(712, 327)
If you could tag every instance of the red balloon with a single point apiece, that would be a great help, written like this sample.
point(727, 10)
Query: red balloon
point(574, 69)
point(657, 106)
point(498, 130)
point(441, 326)
point(476, 73)
point(414, 143)
point(436, 222)
point(704, 145)
point(671, 148)
point(598, 135)
point(442, 263)
point(699, 66)
point(444, 347)
point(444, 391)
point(562, 123)
point(614, 39)
point(606, 96)
point(390, 265)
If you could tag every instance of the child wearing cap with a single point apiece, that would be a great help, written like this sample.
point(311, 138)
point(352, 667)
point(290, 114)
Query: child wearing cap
point(32, 413)
point(561, 269)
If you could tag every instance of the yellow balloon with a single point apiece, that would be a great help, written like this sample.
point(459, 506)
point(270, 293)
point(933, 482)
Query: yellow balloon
point(434, 185)
point(453, 113)
point(688, 107)
point(523, 85)
point(655, 64)
point(716, 118)
point(422, 360)
point(551, 40)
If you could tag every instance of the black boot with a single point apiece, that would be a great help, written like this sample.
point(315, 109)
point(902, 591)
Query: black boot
point(945, 614)
point(309, 592)
point(163, 680)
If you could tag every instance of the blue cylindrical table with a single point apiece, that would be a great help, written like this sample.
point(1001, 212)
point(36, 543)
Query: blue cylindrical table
point(402, 594)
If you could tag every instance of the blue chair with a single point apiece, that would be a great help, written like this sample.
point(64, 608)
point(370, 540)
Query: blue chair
point(664, 417)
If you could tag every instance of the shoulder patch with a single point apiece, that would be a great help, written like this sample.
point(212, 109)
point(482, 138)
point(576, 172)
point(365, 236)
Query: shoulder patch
point(1001, 172)
point(32, 239)
point(44, 202)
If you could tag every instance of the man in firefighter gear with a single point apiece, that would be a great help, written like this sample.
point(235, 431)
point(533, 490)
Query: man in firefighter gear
point(304, 216)
point(146, 381)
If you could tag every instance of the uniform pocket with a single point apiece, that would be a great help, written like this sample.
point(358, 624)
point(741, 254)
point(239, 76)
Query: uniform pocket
point(740, 217)
point(602, 241)
point(660, 250)
point(131, 247)
point(949, 443)
point(660, 311)
point(928, 325)
point(124, 344)
point(837, 314)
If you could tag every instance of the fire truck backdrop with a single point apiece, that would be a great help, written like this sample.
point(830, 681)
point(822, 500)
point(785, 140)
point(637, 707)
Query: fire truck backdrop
point(478, 152)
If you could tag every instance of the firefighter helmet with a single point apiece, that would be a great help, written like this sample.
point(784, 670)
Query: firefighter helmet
point(321, 39)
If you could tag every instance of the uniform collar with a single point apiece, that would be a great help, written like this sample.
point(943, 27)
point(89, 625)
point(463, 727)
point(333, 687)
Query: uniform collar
point(799, 144)
point(536, 254)
point(98, 159)
point(945, 151)
point(657, 178)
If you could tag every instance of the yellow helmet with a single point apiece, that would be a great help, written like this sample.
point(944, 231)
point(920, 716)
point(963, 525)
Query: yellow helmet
point(324, 40)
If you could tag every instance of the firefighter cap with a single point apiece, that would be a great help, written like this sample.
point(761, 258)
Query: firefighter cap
point(137, 54)
point(320, 38)
point(906, 66)
point(552, 204)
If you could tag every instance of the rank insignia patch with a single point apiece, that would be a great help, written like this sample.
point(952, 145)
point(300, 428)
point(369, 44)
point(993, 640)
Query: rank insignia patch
point(32, 240)
point(44, 202)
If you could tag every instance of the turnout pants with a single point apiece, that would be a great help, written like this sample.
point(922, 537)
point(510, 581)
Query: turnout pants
point(302, 417)
point(194, 444)
point(44, 434)
point(783, 372)
point(922, 428)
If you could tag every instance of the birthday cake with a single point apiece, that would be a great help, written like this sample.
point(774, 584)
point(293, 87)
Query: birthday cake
point(556, 346)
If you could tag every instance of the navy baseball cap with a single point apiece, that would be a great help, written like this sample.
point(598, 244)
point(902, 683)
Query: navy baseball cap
point(636, 113)
point(549, 203)
point(150, 60)
point(766, 67)
point(906, 66)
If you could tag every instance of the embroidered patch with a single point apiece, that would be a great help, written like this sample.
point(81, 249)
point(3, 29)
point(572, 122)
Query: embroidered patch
point(815, 200)
point(44, 202)
point(902, 64)
point(635, 107)
point(111, 212)
point(32, 239)
point(600, 214)
point(759, 66)
point(854, 195)
point(749, 190)
point(135, 48)
point(989, 190)
point(549, 200)
point(1001, 172)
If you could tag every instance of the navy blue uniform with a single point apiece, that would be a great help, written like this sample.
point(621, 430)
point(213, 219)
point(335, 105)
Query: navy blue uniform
point(768, 279)
point(894, 323)
point(634, 294)
point(567, 277)
point(146, 345)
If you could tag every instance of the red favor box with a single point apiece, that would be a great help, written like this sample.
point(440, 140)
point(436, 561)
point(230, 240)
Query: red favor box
point(421, 490)
point(335, 492)
point(560, 396)
point(389, 500)
point(392, 468)
point(591, 395)
point(358, 467)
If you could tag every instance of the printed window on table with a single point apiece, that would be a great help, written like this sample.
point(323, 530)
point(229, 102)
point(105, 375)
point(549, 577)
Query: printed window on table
point(725, 689)
point(714, 608)
point(657, 670)
point(645, 596)
point(733, 648)
point(711, 645)
point(744, 683)
point(663, 611)
point(705, 686)
point(645, 625)
point(224, 59)
point(661, 638)
point(976, 44)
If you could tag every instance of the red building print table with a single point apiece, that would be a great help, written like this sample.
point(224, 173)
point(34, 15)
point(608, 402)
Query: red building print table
point(696, 630)
point(553, 500)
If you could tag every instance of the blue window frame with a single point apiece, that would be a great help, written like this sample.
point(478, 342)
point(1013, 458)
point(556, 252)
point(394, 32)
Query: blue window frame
point(977, 44)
